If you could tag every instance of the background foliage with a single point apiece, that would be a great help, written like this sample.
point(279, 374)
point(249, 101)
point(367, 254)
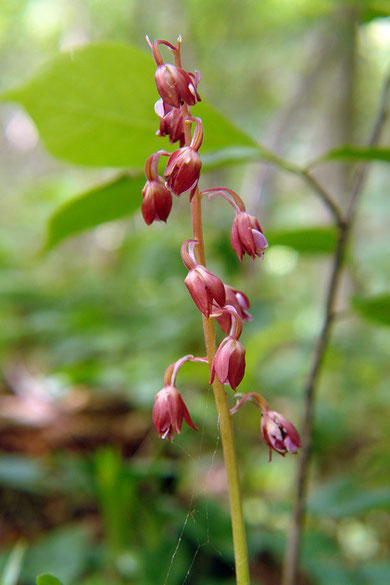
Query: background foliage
point(93, 306)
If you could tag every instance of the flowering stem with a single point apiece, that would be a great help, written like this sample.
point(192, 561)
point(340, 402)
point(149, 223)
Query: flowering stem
point(225, 422)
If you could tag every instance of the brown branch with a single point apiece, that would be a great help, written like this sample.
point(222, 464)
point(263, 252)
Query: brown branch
point(313, 183)
point(294, 541)
point(327, 199)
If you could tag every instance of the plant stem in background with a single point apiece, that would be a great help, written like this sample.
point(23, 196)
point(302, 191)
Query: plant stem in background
point(344, 230)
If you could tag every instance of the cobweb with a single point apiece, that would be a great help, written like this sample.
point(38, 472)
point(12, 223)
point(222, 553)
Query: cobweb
point(192, 511)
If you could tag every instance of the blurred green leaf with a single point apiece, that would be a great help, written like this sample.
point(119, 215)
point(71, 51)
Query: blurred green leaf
point(21, 473)
point(376, 573)
point(94, 106)
point(11, 571)
point(343, 497)
point(116, 493)
point(307, 241)
point(47, 579)
point(111, 201)
point(63, 551)
point(354, 153)
point(375, 308)
point(374, 10)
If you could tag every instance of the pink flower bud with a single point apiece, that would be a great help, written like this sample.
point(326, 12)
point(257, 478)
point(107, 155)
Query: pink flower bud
point(240, 302)
point(171, 122)
point(168, 413)
point(157, 202)
point(176, 86)
point(247, 236)
point(183, 170)
point(279, 433)
point(229, 362)
point(206, 289)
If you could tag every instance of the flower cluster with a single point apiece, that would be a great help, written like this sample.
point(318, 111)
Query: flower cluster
point(214, 299)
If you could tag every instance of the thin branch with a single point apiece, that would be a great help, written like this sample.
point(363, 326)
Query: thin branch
point(313, 183)
point(325, 196)
point(294, 541)
point(361, 172)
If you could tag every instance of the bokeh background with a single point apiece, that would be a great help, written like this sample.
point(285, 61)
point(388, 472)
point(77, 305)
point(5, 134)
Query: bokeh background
point(87, 490)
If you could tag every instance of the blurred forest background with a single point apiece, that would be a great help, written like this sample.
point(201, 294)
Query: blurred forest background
point(87, 490)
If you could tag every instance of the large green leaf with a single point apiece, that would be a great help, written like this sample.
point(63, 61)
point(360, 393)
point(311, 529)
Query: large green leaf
point(94, 106)
point(317, 240)
point(48, 580)
point(354, 153)
point(375, 308)
point(107, 202)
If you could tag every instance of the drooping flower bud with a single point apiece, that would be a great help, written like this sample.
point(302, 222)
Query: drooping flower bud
point(157, 199)
point(168, 413)
point(157, 202)
point(171, 122)
point(240, 302)
point(279, 433)
point(176, 86)
point(229, 362)
point(183, 168)
point(247, 236)
point(206, 289)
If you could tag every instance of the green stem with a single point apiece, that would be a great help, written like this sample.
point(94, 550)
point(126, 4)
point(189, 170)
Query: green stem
point(225, 421)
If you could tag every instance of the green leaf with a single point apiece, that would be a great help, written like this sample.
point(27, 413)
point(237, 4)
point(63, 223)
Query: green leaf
point(47, 579)
point(107, 202)
point(375, 308)
point(11, 572)
point(63, 551)
point(307, 241)
point(94, 106)
point(353, 153)
point(343, 497)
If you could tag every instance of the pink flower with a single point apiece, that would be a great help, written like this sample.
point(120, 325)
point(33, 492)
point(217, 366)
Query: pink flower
point(279, 433)
point(171, 122)
point(157, 202)
point(206, 289)
point(176, 86)
point(168, 413)
point(183, 170)
point(229, 362)
point(240, 302)
point(247, 236)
